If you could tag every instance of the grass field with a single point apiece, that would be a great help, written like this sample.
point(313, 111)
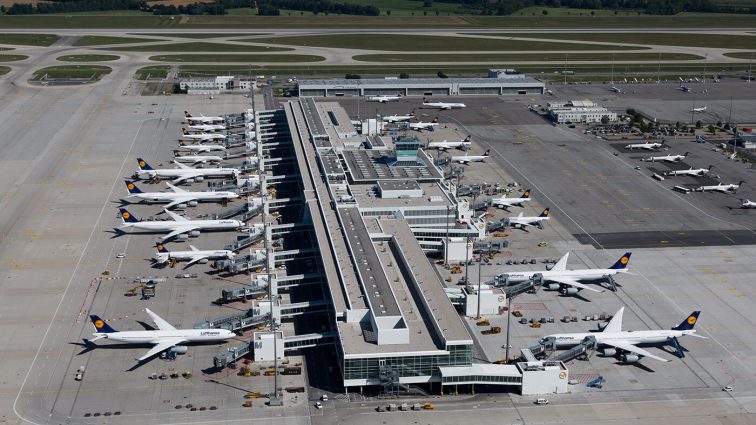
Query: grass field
point(527, 57)
point(4, 70)
point(93, 72)
point(202, 35)
point(213, 57)
point(200, 47)
point(28, 39)
point(12, 58)
point(398, 42)
point(87, 58)
point(741, 55)
point(99, 40)
point(667, 39)
point(154, 71)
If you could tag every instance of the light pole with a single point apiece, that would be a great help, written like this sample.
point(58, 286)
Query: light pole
point(509, 317)
point(446, 246)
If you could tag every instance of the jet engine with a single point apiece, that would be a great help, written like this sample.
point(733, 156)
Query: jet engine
point(553, 286)
point(630, 358)
point(194, 233)
point(179, 349)
point(192, 203)
point(609, 352)
point(570, 291)
point(199, 178)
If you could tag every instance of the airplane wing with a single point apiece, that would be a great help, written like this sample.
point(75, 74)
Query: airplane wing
point(572, 282)
point(161, 346)
point(159, 321)
point(175, 189)
point(183, 166)
point(195, 259)
point(179, 201)
point(178, 231)
point(445, 107)
point(175, 217)
point(561, 265)
point(623, 345)
point(184, 177)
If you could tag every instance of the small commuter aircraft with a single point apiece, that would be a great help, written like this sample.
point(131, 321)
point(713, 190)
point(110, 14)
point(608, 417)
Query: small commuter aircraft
point(724, 188)
point(442, 105)
point(667, 158)
point(466, 159)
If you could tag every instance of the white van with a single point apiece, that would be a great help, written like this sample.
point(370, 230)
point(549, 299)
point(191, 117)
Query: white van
point(542, 401)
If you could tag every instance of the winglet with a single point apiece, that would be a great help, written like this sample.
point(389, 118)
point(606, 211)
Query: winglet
point(622, 262)
point(688, 323)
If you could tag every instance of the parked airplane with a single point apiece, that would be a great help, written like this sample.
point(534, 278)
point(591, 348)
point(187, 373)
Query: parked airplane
point(201, 148)
point(615, 89)
point(383, 98)
point(179, 197)
point(695, 172)
point(701, 109)
point(166, 337)
point(202, 119)
point(684, 88)
point(184, 173)
point(205, 127)
point(202, 136)
point(398, 118)
point(521, 222)
point(420, 126)
point(745, 203)
point(724, 188)
point(179, 226)
point(444, 146)
point(646, 146)
point(466, 159)
point(505, 202)
point(198, 159)
point(667, 158)
point(163, 256)
point(625, 343)
point(442, 105)
point(569, 281)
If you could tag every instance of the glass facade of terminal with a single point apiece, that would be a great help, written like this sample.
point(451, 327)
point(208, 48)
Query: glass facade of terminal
point(482, 379)
point(406, 366)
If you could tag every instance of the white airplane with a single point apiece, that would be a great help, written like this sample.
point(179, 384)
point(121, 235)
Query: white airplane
point(202, 137)
point(505, 202)
point(201, 148)
point(701, 109)
point(198, 159)
point(747, 204)
point(615, 89)
point(202, 119)
point(724, 188)
point(568, 281)
point(667, 158)
point(194, 256)
point(442, 105)
point(444, 146)
point(466, 159)
point(684, 88)
point(646, 146)
point(616, 341)
point(193, 126)
point(179, 197)
point(521, 222)
point(420, 126)
point(166, 337)
point(184, 173)
point(398, 118)
point(179, 226)
point(695, 172)
point(383, 98)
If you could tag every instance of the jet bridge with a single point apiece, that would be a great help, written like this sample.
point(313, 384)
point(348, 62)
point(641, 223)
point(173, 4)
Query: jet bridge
point(584, 350)
point(255, 236)
point(294, 342)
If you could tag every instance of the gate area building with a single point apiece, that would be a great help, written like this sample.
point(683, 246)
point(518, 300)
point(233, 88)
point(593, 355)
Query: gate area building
point(503, 84)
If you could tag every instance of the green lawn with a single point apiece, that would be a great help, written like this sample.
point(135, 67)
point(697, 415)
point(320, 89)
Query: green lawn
point(200, 35)
point(12, 58)
point(527, 57)
point(667, 39)
point(4, 70)
point(237, 58)
point(741, 55)
point(94, 72)
point(28, 39)
point(154, 71)
point(88, 58)
point(73, 20)
point(99, 40)
point(199, 47)
point(399, 42)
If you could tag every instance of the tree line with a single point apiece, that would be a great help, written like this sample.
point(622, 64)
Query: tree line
point(273, 7)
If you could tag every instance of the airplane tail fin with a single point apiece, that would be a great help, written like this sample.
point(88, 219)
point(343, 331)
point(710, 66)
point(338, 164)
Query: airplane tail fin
point(184, 131)
point(688, 323)
point(435, 120)
point(132, 188)
point(525, 194)
point(144, 166)
point(100, 325)
point(161, 248)
point(468, 139)
point(126, 216)
point(187, 114)
point(710, 167)
point(487, 152)
point(545, 213)
point(190, 122)
point(622, 262)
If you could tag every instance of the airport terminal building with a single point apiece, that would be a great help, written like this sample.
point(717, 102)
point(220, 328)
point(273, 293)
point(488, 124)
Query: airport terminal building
point(497, 84)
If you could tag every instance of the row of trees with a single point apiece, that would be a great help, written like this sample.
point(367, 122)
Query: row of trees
point(272, 7)
point(653, 7)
